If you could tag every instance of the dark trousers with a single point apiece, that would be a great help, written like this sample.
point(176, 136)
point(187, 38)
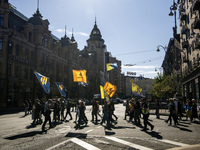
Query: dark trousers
point(47, 118)
point(94, 114)
point(146, 122)
point(137, 116)
point(68, 112)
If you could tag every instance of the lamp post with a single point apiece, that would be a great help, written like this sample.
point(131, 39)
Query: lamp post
point(173, 9)
point(165, 48)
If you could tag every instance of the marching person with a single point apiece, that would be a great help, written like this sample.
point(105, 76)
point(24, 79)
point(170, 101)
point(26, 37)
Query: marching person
point(137, 112)
point(145, 112)
point(95, 110)
point(47, 114)
point(68, 107)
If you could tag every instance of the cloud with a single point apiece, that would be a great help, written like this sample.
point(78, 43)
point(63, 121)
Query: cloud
point(75, 33)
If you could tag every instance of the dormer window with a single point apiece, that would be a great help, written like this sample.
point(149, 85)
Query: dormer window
point(94, 32)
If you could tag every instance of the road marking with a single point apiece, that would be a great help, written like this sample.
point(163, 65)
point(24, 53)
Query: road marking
point(172, 142)
point(84, 144)
point(89, 131)
point(128, 143)
point(58, 145)
point(99, 127)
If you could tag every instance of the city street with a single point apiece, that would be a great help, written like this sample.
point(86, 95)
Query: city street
point(17, 133)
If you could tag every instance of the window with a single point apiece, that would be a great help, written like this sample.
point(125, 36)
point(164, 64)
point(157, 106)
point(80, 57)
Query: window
point(46, 42)
point(16, 72)
point(9, 69)
point(92, 48)
point(26, 54)
point(10, 48)
point(32, 56)
point(17, 51)
point(1, 44)
point(25, 73)
point(42, 40)
point(1, 20)
point(30, 37)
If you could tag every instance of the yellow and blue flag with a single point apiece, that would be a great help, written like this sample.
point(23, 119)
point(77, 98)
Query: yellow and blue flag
point(44, 81)
point(61, 89)
point(136, 90)
point(110, 89)
point(79, 76)
point(111, 66)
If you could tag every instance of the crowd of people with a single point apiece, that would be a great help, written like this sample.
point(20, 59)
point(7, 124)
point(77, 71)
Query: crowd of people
point(133, 110)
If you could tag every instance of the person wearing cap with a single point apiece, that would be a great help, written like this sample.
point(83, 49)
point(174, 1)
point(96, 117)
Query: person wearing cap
point(145, 112)
point(47, 114)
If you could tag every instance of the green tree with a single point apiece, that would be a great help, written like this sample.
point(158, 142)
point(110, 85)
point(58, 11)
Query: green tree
point(164, 86)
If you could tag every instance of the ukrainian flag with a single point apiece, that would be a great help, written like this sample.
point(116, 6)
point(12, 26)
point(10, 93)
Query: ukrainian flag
point(44, 81)
point(61, 89)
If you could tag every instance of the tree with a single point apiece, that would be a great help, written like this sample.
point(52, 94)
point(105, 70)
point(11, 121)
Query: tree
point(164, 86)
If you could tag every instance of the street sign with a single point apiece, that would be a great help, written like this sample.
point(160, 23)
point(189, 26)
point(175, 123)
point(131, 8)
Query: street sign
point(177, 67)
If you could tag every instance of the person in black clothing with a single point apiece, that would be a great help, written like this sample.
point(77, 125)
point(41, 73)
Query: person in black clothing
point(47, 114)
point(157, 108)
point(136, 105)
point(94, 111)
point(81, 109)
point(172, 113)
point(68, 107)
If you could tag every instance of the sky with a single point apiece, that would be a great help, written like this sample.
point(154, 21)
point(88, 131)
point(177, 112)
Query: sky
point(132, 29)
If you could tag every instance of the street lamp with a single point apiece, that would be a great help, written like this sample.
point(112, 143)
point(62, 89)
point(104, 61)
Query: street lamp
point(165, 48)
point(173, 9)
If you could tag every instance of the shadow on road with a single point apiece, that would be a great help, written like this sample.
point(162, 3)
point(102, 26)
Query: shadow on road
point(24, 135)
point(155, 134)
point(77, 135)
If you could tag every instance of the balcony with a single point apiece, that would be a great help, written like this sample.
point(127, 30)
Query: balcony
point(196, 5)
point(184, 29)
point(196, 23)
point(185, 44)
point(185, 60)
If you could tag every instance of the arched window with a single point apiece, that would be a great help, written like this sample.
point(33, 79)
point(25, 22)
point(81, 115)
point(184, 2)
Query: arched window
point(92, 48)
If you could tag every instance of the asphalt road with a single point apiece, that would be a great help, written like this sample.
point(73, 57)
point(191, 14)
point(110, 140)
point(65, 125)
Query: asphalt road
point(16, 132)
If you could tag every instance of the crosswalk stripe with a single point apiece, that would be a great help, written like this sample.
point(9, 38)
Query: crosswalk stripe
point(84, 144)
point(128, 143)
point(172, 142)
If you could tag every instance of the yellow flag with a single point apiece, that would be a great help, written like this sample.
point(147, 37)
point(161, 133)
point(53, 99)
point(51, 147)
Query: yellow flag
point(110, 89)
point(79, 76)
point(136, 89)
point(102, 92)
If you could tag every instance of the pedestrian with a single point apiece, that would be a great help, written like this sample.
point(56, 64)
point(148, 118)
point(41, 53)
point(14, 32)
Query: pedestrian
point(81, 109)
point(30, 107)
point(68, 107)
point(126, 104)
point(47, 113)
point(172, 113)
point(194, 110)
point(113, 109)
point(145, 112)
point(131, 110)
point(157, 109)
point(136, 112)
point(37, 112)
point(26, 105)
point(188, 109)
point(105, 112)
point(95, 110)
point(56, 111)
point(62, 109)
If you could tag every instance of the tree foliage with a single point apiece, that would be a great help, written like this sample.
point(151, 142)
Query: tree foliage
point(164, 86)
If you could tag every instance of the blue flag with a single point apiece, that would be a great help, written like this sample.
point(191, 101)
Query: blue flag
point(44, 81)
point(61, 89)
